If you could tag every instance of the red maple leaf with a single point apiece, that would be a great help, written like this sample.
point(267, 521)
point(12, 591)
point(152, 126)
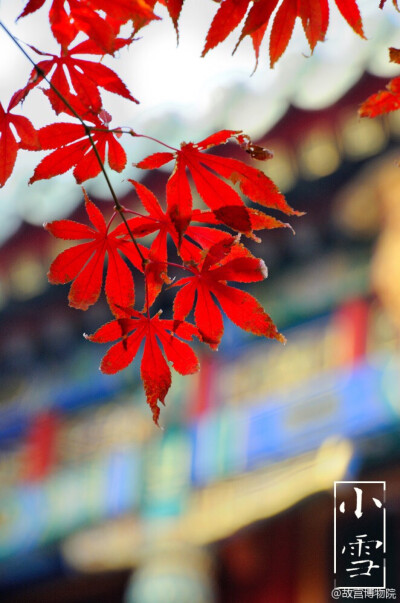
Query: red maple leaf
point(314, 15)
point(158, 335)
point(85, 76)
point(8, 143)
point(383, 101)
point(74, 149)
point(82, 15)
point(83, 263)
point(224, 262)
point(174, 8)
point(159, 220)
point(226, 204)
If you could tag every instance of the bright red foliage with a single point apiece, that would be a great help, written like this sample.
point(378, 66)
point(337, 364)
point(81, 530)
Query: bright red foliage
point(226, 204)
point(158, 220)
point(69, 17)
point(83, 264)
point(155, 372)
point(74, 149)
point(8, 143)
point(208, 255)
point(387, 100)
point(86, 77)
point(224, 261)
point(314, 15)
point(383, 101)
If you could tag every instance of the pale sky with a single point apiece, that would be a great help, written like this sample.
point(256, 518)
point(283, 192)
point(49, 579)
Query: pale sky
point(182, 96)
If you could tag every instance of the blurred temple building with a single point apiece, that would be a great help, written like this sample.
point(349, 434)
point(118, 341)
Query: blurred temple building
point(232, 502)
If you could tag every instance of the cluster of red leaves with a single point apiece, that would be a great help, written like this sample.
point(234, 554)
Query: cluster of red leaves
point(73, 147)
point(208, 241)
point(210, 255)
point(69, 17)
point(282, 14)
point(101, 22)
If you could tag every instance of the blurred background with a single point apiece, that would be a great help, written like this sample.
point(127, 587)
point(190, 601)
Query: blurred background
point(232, 501)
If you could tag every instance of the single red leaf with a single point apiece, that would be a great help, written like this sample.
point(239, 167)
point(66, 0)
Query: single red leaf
point(83, 264)
point(174, 8)
point(159, 335)
point(90, 46)
point(206, 170)
point(259, 221)
point(226, 19)
point(257, 38)
point(252, 182)
point(8, 142)
point(179, 199)
point(156, 270)
point(314, 18)
point(351, 13)
point(225, 261)
point(383, 101)
point(246, 312)
point(69, 230)
point(220, 137)
point(31, 7)
point(63, 27)
point(8, 154)
point(88, 166)
point(119, 287)
point(258, 16)
point(75, 150)
point(116, 155)
point(208, 317)
point(282, 29)
point(154, 161)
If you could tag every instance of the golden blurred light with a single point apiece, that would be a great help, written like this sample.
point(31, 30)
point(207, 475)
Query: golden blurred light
point(357, 210)
point(281, 168)
point(27, 277)
point(216, 511)
point(113, 545)
point(393, 121)
point(172, 572)
point(95, 432)
point(318, 154)
point(385, 269)
point(362, 137)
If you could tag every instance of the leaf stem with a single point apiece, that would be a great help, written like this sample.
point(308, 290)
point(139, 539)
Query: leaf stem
point(127, 130)
point(132, 133)
point(88, 130)
point(182, 266)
